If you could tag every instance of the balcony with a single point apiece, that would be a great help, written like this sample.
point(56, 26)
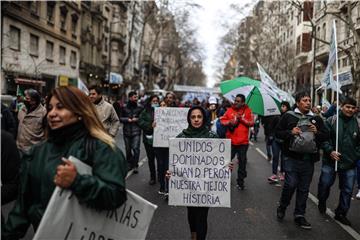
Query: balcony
point(357, 25)
point(322, 52)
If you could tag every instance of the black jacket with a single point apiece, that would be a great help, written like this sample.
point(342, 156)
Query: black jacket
point(10, 165)
point(270, 123)
point(130, 111)
point(283, 132)
point(8, 122)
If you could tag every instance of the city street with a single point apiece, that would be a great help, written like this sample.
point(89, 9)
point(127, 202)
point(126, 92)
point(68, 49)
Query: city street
point(252, 215)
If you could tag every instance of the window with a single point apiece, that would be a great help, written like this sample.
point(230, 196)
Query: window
point(73, 59)
point(308, 10)
point(34, 45)
point(344, 62)
point(74, 22)
point(62, 55)
point(50, 12)
point(324, 32)
point(14, 38)
point(34, 8)
point(63, 15)
point(298, 45)
point(306, 42)
point(49, 50)
point(105, 44)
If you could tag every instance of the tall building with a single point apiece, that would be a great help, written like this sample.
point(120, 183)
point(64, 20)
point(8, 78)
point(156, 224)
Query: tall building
point(40, 44)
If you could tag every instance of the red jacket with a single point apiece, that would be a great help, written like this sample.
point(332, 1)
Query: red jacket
point(243, 119)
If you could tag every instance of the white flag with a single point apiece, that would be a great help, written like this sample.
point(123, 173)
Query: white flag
point(328, 79)
point(81, 85)
point(268, 81)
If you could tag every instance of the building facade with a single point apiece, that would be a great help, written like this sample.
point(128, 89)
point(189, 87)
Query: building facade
point(40, 44)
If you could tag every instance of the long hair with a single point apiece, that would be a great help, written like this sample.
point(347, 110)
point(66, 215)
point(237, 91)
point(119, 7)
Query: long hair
point(74, 100)
point(147, 105)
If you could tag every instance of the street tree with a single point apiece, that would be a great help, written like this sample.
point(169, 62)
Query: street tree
point(343, 12)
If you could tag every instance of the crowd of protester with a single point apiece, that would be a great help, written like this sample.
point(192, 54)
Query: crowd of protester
point(38, 136)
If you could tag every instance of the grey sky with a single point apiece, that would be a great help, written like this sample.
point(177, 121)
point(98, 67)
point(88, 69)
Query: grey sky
point(210, 20)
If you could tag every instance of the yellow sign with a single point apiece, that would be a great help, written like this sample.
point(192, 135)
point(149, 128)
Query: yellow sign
point(63, 80)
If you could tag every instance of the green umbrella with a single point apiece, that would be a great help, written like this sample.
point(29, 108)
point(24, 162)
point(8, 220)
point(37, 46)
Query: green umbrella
point(261, 98)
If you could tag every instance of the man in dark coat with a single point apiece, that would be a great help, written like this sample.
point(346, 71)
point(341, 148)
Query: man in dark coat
point(132, 131)
point(298, 165)
point(8, 122)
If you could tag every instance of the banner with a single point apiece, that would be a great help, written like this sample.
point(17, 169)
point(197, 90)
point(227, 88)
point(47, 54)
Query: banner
point(280, 94)
point(81, 85)
point(200, 172)
point(328, 79)
point(66, 219)
point(169, 123)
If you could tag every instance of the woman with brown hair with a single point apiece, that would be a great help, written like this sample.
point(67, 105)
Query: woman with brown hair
point(73, 130)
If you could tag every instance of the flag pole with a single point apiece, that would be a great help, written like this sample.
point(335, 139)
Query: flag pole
point(337, 95)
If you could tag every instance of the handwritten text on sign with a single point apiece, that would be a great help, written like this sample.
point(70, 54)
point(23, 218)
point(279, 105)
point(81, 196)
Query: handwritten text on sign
point(169, 123)
point(200, 172)
point(66, 219)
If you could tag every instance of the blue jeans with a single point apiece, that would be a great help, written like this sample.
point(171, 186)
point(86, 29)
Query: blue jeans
point(275, 147)
point(358, 173)
point(132, 148)
point(240, 151)
point(346, 185)
point(298, 176)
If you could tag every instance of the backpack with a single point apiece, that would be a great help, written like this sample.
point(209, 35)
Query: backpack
point(305, 141)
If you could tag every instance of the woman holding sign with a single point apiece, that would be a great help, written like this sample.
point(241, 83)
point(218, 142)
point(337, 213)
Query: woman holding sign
point(197, 216)
point(146, 123)
point(73, 130)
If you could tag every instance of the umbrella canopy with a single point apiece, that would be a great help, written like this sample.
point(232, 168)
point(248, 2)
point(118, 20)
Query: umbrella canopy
point(261, 98)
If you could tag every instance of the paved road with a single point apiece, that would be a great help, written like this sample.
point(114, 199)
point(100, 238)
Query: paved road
point(252, 215)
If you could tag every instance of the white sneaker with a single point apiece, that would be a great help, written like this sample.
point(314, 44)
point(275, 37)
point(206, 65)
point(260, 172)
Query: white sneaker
point(358, 195)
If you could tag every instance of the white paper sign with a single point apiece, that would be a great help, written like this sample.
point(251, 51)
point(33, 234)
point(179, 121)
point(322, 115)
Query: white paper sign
point(169, 123)
point(200, 172)
point(66, 219)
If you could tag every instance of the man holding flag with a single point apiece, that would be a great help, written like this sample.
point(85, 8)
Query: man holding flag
point(346, 157)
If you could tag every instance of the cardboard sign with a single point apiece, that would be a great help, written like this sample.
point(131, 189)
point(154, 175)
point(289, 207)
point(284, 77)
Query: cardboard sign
point(200, 172)
point(169, 123)
point(66, 219)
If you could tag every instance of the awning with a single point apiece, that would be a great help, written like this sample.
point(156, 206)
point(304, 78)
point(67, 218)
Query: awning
point(29, 82)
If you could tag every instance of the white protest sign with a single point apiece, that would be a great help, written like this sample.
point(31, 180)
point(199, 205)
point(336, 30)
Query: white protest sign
point(66, 219)
point(200, 174)
point(169, 123)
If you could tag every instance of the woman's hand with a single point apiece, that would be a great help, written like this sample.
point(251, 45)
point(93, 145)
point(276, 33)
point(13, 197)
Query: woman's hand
point(154, 124)
point(231, 166)
point(65, 174)
point(168, 174)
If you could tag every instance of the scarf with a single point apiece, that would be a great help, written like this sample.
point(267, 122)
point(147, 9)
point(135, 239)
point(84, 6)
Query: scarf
point(66, 134)
point(191, 132)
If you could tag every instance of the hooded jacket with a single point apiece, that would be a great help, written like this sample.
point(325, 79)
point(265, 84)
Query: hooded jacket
point(201, 132)
point(244, 120)
point(131, 110)
point(288, 122)
point(146, 119)
point(349, 142)
point(104, 190)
